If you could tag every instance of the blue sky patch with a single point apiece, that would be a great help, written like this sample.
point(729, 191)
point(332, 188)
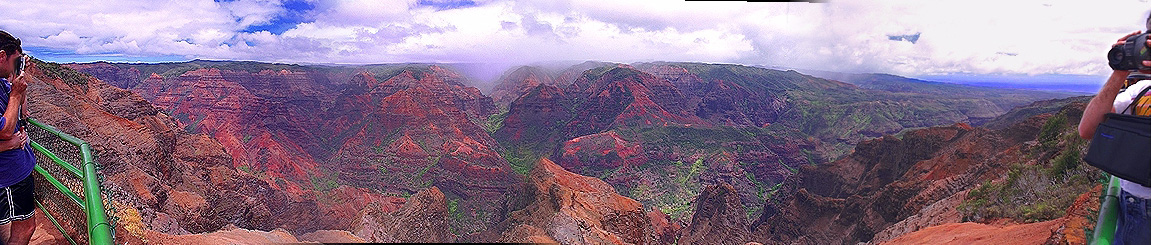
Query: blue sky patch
point(446, 4)
point(910, 38)
point(70, 56)
point(294, 13)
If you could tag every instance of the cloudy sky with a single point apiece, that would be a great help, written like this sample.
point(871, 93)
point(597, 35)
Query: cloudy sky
point(911, 38)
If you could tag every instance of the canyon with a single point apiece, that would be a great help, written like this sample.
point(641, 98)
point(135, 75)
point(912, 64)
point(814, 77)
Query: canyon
point(644, 153)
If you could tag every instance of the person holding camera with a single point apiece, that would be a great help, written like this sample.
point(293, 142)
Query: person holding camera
point(1118, 95)
point(17, 189)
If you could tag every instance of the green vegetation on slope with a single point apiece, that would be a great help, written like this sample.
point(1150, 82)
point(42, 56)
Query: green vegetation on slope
point(69, 76)
point(1020, 113)
point(1031, 193)
point(495, 121)
point(522, 160)
point(842, 114)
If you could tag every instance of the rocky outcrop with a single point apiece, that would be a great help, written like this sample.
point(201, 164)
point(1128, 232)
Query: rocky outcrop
point(941, 212)
point(976, 233)
point(407, 134)
point(230, 235)
point(283, 123)
point(719, 218)
point(722, 101)
point(625, 96)
point(1064, 230)
point(519, 82)
point(310, 131)
point(606, 150)
point(423, 219)
point(172, 180)
point(664, 230)
point(330, 236)
point(113, 74)
point(885, 181)
point(234, 235)
point(569, 75)
point(680, 77)
point(601, 99)
point(536, 120)
point(587, 99)
point(226, 104)
point(447, 85)
point(571, 209)
point(894, 186)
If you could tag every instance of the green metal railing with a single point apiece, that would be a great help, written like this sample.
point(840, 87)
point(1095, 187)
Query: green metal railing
point(73, 188)
point(1104, 232)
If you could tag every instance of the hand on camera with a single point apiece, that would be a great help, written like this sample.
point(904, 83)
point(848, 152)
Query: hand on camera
point(1123, 40)
point(19, 84)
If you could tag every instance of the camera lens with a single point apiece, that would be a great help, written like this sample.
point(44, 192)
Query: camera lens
point(1115, 58)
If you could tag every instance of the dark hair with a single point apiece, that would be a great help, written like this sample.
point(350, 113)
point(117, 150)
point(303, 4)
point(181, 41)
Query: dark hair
point(9, 44)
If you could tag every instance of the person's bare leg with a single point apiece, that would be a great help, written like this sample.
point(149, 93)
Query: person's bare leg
point(5, 232)
point(22, 231)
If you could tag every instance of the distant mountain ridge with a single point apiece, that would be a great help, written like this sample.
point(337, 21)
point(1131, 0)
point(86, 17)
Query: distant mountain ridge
point(1004, 98)
point(1081, 84)
point(1070, 84)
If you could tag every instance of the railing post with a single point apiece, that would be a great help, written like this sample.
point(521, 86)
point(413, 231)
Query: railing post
point(99, 230)
point(1104, 232)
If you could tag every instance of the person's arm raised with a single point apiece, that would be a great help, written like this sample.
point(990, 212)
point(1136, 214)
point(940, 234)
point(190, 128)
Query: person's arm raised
point(1104, 101)
point(12, 112)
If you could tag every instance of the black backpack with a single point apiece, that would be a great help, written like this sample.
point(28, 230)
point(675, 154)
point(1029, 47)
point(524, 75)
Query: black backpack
point(1122, 145)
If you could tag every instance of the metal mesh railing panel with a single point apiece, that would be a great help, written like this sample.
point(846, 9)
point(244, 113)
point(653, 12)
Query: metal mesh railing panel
point(68, 213)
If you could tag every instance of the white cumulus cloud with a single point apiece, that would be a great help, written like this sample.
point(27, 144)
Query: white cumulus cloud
point(983, 36)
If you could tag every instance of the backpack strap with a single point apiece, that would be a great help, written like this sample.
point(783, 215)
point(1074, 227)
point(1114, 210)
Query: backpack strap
point(1135, 101)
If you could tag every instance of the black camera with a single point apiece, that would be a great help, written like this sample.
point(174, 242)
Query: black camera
point(1130, 55)
point(19, 66)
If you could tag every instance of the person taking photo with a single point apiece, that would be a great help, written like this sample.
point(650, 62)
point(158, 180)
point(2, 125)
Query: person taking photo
point(17, 189)
point(1133, 225)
